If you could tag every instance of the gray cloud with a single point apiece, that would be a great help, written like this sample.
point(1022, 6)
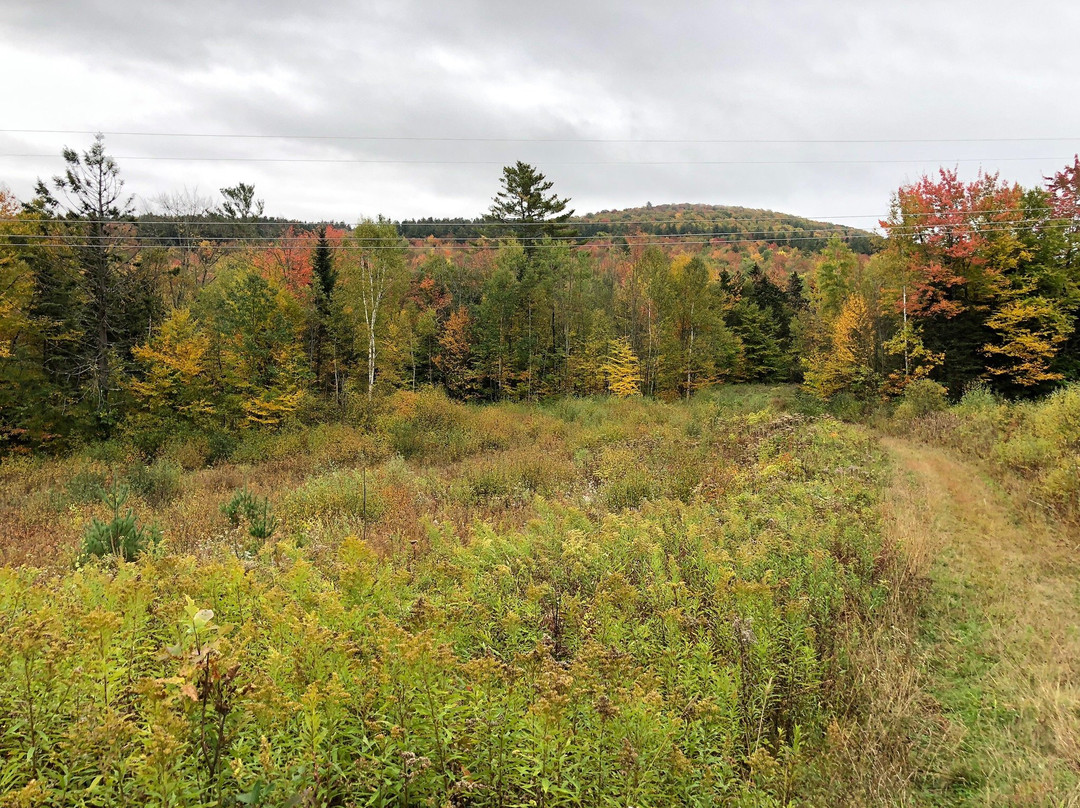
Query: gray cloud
point(762, 71)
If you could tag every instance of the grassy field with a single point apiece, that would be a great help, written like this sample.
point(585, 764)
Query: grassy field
point(595, 602)
point(732, 600)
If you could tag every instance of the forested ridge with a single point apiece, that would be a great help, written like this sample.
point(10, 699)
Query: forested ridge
point(205, 316)
point(711, 222)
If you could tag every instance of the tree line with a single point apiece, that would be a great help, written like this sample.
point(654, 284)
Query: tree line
point(210, 317)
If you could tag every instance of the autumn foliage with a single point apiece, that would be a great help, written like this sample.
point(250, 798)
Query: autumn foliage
point(227, 320)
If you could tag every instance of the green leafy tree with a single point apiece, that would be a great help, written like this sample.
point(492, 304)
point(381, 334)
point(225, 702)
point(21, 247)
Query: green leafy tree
point(834, 278)
point(256, 331)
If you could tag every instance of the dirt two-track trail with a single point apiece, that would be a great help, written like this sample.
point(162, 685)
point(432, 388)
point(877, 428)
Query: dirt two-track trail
point(996, 644)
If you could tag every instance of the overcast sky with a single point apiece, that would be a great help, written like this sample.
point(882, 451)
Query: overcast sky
point(540, 72)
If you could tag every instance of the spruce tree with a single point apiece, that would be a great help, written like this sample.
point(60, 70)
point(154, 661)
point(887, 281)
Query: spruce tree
point(324, 279)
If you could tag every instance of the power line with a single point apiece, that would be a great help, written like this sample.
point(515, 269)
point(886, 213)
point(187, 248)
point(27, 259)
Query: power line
point(463, 222)
point(755, 235)
point(678, 241)
point(380, 161)
point(466, 139)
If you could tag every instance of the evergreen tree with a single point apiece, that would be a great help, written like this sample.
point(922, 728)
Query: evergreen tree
point(795, 293)
point(119, 304)
point(524, 203)
point(242, 209)
point(323, 283)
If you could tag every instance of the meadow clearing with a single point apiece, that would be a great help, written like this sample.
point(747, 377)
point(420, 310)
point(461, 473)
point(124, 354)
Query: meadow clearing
point(736, 599)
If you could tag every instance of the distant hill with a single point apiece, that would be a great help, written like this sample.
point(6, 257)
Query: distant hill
point(721, 221)
point(725, 221)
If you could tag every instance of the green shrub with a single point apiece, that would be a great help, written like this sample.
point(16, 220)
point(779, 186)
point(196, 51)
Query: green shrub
point(109, 452)
point(190, 453)
point(1024, 452)
point(428, 425)
point(847, 407)
point(261, 445)
point(978, 398)
point(341, 444)
point(628, 490)
point(85, 486)
point(484, 484)
point(1057, 419)
point(1062, 484)
point(337, 494)
point(121, 535)
point(158, 483)
point(921, 398)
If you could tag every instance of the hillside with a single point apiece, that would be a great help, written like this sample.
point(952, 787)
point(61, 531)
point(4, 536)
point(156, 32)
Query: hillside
point(725, 220)
point(722, 221)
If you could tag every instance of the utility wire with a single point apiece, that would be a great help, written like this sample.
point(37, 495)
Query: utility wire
point(61, 241)
point(465, 139)
point(366, 161)
point(464, 222)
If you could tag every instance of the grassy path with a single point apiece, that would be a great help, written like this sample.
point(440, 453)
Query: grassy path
point(997, 648)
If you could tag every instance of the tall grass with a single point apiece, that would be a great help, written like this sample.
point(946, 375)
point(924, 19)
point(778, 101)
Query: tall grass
point(1037, 442)
point(586, 602)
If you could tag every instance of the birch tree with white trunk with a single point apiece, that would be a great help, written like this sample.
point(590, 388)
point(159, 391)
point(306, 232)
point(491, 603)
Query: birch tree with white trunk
point(375, 266)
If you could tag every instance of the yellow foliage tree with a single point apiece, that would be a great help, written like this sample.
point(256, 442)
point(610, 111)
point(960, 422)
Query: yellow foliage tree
point(16, 286)
point(622, 370)
point(1032, 331)
point(258, 326)
point(455, 354)
point(175, 370)
point(847, 363)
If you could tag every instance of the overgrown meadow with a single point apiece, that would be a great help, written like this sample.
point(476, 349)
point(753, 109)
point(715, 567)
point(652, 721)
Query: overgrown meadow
point(1032, 446)
point(592, 601)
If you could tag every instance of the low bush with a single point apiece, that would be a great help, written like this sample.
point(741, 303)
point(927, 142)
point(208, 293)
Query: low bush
point(1033, 442)
point(333, 495)
point(920, 398)
point(85, 486)
point(190, 453)
point(121, 536)
point(158, 483)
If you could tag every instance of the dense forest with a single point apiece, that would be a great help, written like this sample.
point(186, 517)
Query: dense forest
point(206, 316)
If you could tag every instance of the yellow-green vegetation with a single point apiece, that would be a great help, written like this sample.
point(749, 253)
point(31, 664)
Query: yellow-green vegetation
point(1032, 445)
point(966, 684)
point(589, 602)
point(987, 703)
